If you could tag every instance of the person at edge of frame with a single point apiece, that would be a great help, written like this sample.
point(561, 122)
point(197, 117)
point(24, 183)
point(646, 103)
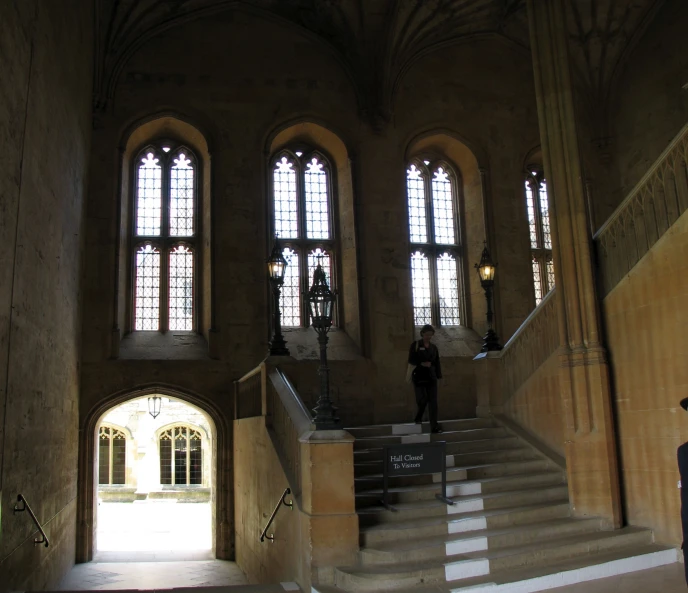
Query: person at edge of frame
point(425, 356)
point(682, 454)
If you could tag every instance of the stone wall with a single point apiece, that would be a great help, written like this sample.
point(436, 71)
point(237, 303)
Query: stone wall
point(320, 531)
point(536, 406)
point(651, 100)
point(646, 320)
point(259, 482)
point(45, 127)
point(252, 79)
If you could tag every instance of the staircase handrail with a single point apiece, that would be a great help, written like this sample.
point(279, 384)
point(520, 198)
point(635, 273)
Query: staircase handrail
point(646, 213)
point(266, 391)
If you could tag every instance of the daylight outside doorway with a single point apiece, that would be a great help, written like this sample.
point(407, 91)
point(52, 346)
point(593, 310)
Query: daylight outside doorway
point(154, 473)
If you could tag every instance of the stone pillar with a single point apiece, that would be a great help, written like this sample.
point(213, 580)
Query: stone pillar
point(329, 523)
point(590, 447)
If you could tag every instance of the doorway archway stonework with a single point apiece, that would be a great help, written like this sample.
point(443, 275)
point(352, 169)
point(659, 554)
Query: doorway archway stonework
point(220, 476)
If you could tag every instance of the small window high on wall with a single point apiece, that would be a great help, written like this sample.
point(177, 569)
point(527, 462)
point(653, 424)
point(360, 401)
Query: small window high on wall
point(164, 239)
point(431, 192)
point(537, 204)
point(302, 218)
point(112, 454)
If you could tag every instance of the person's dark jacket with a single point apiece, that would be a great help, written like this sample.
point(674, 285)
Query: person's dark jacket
point(418, 353)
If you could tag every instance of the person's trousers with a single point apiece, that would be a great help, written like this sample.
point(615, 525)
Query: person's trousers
point(426, 395)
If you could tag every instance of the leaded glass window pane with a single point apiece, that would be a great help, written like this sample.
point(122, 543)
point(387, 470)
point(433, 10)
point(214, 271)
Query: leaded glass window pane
point(149, 196)
point(119, 454)
point(315, 257)
point(532, 223)
point(180, 456)
point(195, 459)
point(182, 197)
point(165, 459)
point(285, 200)
point(181, 288)
point(104, 457)
point(537, 205)
point(443, 208)
point(147, 292)
point(550, 274)
point(420, 285)
point(317, 202)
point(537, 281)
point(415, 191)
point(291, 290)
point(448, 289)
point(544, 217)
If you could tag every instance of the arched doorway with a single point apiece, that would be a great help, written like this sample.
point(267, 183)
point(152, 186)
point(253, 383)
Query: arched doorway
point(154, 459)
point(154, 466)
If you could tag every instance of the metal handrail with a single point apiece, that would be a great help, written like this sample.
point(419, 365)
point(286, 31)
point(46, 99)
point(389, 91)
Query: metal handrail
point(26, 507)
point(271, 537)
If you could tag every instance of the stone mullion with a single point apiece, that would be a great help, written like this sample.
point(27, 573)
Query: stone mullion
point(584, 376)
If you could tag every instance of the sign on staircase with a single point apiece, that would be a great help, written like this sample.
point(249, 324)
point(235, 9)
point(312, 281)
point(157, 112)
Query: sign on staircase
point(414, 459)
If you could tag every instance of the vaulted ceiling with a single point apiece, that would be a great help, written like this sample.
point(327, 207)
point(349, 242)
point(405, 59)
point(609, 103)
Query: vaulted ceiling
point(376, 40)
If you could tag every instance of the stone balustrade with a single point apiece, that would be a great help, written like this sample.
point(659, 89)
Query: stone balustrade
point(644, 216)
point(532, 344)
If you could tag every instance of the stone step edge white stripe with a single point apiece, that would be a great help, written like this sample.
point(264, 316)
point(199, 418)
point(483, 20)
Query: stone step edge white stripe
point(578, 575)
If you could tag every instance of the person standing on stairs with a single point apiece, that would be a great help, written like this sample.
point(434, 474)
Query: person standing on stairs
point(425, 356)
point(682, 455)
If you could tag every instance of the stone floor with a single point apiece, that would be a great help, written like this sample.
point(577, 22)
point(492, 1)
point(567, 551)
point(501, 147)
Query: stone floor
point(664, 579)
point(153, 526)
point(110, 576)
point(105, 576)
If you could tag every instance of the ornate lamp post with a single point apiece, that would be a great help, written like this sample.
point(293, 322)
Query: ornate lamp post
point(486, 271)
point(154, 404)
point(320, 301)
point(277, 265)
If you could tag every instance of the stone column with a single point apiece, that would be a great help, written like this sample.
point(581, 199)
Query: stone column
point(590, 446)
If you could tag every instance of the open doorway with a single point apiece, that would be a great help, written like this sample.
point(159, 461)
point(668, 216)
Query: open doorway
point(154, 474)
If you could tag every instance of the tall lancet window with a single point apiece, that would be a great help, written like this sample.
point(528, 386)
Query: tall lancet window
point(431, 192)
point(164, 240)
point(302, 218)
point(537, 205)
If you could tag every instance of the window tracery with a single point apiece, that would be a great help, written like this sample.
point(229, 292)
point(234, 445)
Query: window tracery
point(181, 456)
point(302, 219)
point(112, 452)
point(164, 241)
point(431, 192)
point(540, 234)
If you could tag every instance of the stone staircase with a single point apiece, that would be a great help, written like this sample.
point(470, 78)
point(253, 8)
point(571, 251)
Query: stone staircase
point(509, 529)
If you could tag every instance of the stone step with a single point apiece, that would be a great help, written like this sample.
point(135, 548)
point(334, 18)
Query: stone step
point(452, 447)
point(454, 474)
point(388, 577)
point(481, 486)
point(367, 442)
point(438, 548)
point(374, 535)
point(462, 504)
point(412, 428)
point(571, 571)
point(459, 459)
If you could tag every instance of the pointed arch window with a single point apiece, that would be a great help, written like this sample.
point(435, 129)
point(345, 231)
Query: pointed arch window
point(537, 205)
point(164, 239)
point(112, 455)
point(181, 456)
point(432, 201)
point(302, 218)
